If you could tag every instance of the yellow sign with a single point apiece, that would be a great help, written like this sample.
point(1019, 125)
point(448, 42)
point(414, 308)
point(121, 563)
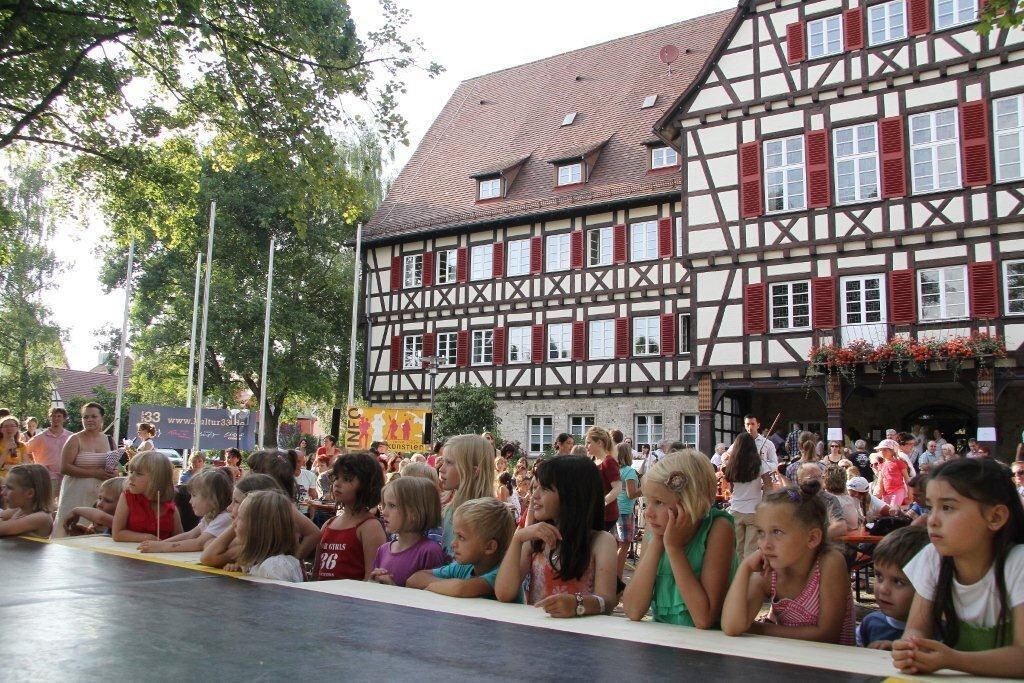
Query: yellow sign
point(402, 429)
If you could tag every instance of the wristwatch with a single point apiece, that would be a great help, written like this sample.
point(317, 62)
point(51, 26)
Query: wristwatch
point(580, 609)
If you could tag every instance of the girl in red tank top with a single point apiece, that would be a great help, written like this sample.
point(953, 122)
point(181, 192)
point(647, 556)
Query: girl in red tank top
point(349, 542)
point(146, 510)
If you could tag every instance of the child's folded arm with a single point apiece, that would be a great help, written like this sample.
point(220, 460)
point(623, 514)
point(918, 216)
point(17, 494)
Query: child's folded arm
point(421, 579)
point(23, 525)
point(475, 587)
point(219, 551)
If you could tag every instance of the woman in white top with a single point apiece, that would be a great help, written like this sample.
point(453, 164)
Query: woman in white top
point(87, 460)
point(750, 476)
point(147, 433)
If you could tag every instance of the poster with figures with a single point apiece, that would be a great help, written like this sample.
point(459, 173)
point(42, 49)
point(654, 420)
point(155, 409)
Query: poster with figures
point(405, 430)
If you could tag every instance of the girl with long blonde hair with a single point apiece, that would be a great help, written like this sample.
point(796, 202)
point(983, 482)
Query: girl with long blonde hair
point(467, 470)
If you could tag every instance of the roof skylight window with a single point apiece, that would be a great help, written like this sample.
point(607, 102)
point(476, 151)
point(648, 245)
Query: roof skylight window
point(569, 118)
point(649, 101)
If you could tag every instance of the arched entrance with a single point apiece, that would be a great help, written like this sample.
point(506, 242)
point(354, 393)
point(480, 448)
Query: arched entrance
point(957, 425)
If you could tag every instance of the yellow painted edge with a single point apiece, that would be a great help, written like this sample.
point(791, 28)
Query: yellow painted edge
point(144, 558)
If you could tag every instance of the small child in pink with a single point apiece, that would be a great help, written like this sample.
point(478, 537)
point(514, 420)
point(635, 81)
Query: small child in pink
point(894, 474)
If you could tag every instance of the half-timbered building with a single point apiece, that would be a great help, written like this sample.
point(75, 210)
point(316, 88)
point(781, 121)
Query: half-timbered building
point(852, 170)
point(532, 244)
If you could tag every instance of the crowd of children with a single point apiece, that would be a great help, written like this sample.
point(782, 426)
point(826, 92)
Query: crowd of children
point(950, 589)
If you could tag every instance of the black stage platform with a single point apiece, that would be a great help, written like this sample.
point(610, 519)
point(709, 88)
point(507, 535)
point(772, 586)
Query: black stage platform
point(71, 614)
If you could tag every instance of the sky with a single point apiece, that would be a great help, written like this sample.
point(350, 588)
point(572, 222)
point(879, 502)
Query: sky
point(467, 38)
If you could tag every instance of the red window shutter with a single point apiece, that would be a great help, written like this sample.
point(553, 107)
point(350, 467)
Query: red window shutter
point(396, 273)
point(619, 244)
point(983, 280)
point(536, 254)
point(462, 264)
point(902, 297)
point(498, 346)
point(396, 354)
point(853, 28)
point(622, 338)
point(819, 187)
point(824, 312)
point(668, 334)
point(462, 348)
point(755, 309)
point(751, 197)
point(974, 143)
point(665, 238)
point(894, 174)
point(796, 45)
point(920, 21)
point(579, 340)
point(429, 345)
point(428, 270)
point(537, 344)
point(576, 249)
point(498, 260)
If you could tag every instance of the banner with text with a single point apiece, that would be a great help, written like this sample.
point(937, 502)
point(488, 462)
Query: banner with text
point(405, 430)
point(175, 427)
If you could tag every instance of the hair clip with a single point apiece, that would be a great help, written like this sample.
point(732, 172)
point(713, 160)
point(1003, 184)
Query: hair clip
point(794, 495)
point(676, 481)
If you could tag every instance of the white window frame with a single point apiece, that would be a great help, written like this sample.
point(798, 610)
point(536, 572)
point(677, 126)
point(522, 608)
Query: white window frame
point(958, 7)
point(570, 174)
point(541, 427)
point(642, 329)
point(885, 13)
point(792, 318)
point(556, 253)
point(789, 172)
point(684, 334)
point(664, 157)
point(944, 280)
point(558, 345)
point(864, 162)
point(689, 423)
point(932, 149)
point(520, 340)
point(489, 189)
point(447, 266)
point(412, 271)
point(481, 262)
point(862, 312)
point(604, 239)
point(653, 429)
point(643, 241)
point(578, 426)
point(518, 258)
point(828, 28)
point(601, 340)
point(412, 351)
point(482, 347)
point(1008, 301)
point(1014, 132)
point(447, 349)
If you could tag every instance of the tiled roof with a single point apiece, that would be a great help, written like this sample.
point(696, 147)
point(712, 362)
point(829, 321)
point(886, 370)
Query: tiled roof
point(76, 383)
point(518, 112)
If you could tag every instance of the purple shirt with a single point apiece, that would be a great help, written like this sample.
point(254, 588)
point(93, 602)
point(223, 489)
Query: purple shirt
point(425, 554)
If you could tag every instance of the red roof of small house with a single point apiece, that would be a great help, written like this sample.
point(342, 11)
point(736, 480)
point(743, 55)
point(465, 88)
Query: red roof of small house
point(498, 120)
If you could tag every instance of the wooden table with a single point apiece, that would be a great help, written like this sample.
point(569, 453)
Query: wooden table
point(855, 539)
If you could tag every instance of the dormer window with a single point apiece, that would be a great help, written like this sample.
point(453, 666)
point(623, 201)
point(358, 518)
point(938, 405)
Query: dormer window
point(489, 188)
point(570, 174)
point(664, 157)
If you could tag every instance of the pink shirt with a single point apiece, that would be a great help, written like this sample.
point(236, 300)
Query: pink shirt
point(46, 447)
point(892, 476)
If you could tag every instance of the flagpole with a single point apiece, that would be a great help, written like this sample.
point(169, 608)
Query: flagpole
point(124, 343)
point(202, 342)
point(355, 315)
point(266, 347)
point(195, 318)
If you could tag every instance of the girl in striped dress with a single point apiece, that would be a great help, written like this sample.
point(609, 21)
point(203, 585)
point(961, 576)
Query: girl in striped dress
point(804, 580)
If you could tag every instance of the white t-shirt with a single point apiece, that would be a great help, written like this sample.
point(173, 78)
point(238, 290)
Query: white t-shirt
point(216, 526)
point(978, 603)
point(851, 510)
point(746, 495)
point(305, 482)
point(767, 450)
point(280, 567)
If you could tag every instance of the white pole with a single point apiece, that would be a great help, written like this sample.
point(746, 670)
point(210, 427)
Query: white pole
point(202, 342)
point(195, 317)
point(355, 315)
point(266, 347)
point(124, 343)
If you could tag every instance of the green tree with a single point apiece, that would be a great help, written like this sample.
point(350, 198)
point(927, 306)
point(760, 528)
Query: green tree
point(464, 409)
point(165, 209)
point(29, 342)
point(1000, 14)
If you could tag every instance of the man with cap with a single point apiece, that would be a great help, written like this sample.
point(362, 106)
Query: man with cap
point(859, 488)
